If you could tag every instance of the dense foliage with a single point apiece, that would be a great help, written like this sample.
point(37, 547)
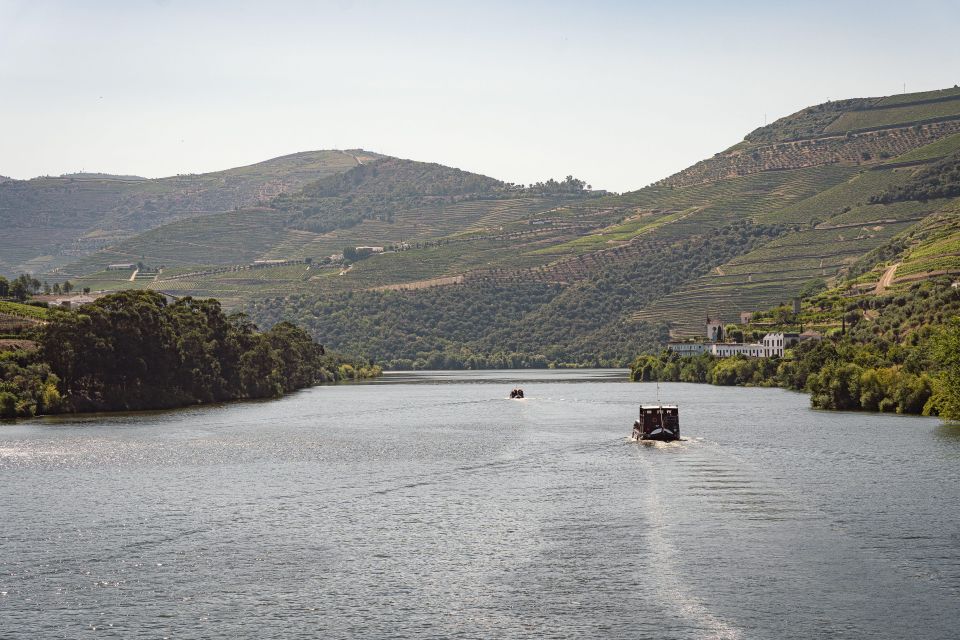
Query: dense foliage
point(946, 353)
point(133, 350)
point(515, 324)
point(905, 359)
point(27, 387)
point(435, 328)
point(942, 180)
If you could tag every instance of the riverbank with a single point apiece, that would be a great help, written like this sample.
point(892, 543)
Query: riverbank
point(834, 374)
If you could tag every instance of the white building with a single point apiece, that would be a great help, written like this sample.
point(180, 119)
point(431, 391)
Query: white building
point(727, 349)
point(775, 344)
point(687, 348)
point(73, 301)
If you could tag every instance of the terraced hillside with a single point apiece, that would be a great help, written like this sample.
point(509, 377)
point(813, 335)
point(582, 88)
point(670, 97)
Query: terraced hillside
point(50, 222)
point(435, 221)
point(850, 132)
point(928, 250)
point(575, 277)
point(833, 230)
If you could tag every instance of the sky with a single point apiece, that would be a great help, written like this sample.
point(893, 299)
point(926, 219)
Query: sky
point(619, 94)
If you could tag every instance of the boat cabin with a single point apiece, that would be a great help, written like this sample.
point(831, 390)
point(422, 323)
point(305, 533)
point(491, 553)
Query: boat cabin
point(657, 422)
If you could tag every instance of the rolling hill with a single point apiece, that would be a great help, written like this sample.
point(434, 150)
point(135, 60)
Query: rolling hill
point(49, 222)
point(479, 272)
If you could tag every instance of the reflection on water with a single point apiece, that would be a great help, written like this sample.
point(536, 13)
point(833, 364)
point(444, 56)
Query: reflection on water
point(949, 431)
point(430, 505)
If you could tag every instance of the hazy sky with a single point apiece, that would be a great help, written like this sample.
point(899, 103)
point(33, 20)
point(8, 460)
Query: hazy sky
point(618, 93)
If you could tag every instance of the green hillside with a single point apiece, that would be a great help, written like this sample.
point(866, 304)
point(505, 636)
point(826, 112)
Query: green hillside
point(435, 221)
point(476, 271)
point(50, 222)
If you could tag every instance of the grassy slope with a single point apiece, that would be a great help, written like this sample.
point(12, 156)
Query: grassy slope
point(937, 251)
point(49, 222)
point(875, 117)
point(23, 310)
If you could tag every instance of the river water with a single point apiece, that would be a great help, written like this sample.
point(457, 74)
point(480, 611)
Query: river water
point(430, 506)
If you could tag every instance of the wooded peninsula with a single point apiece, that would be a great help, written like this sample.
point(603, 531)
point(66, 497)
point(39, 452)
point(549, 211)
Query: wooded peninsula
point(135, 350)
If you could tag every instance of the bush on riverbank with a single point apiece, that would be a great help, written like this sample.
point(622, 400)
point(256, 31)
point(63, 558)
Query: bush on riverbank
point(26, 387)
point(823, 371)
point(946, 351)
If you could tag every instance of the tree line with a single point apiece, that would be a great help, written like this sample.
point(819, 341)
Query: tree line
point(23, 286)
point(134, 350)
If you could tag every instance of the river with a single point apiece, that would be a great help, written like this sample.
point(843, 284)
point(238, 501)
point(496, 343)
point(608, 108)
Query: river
point(428, 505)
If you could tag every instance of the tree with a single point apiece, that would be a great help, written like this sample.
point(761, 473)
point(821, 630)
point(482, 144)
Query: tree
point(946, 350)
point(4, 287)
point(18, 291)
point(837, 386)
point(67, 287)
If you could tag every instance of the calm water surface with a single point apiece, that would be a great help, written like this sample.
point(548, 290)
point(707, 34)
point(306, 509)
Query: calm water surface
point(430, 506)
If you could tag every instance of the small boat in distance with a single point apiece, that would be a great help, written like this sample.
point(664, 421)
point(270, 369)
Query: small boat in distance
point(517, 394)
point(657, 422)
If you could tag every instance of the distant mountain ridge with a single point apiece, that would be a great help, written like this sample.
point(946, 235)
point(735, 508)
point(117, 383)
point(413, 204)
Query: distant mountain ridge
point(84, 175)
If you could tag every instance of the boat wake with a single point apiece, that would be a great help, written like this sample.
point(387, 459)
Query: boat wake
point(668, 580)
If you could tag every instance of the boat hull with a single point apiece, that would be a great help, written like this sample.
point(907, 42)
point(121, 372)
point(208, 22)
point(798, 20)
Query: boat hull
point(658, 437)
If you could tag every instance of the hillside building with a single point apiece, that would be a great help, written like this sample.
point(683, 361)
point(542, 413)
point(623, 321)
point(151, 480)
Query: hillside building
point(714, 330)
point(687, 348)
point(727, 349)
point(773, 345)
point(68, 301)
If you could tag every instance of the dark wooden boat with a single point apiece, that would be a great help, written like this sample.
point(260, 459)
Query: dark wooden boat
point(657, 422)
